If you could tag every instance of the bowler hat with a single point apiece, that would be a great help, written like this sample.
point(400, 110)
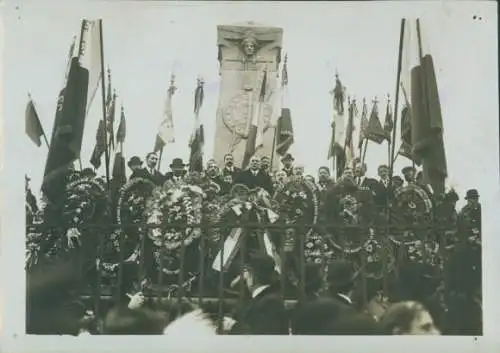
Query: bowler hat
point(407, 169)
point(287, 157)
point(134, 161)
point(177, 163)
point(472, 194)
point(340, 273)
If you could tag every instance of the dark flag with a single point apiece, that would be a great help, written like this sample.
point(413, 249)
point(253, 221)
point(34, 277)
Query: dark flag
point(119, 177)
point(34, 128)
point(388, 123)
point(69, 124)
point(198, 136)
point(284, 138)
point(100, 146)
point(427, 124)
point(375, 132)
point(122, 129)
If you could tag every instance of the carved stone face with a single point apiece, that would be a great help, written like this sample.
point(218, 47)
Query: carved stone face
point(249, 46)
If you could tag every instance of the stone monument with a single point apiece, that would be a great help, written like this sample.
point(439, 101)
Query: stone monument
point(245, 52)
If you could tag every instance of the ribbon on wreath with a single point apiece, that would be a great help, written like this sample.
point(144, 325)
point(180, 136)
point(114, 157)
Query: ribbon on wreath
point(233, 242)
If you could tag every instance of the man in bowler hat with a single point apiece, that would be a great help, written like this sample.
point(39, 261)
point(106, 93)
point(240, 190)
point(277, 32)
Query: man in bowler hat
point(178, 170)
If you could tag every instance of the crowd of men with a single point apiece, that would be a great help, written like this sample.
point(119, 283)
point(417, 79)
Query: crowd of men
point(326, 307)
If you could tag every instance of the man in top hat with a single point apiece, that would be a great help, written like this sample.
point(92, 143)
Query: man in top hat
point(409, 174)
point(151, 171)
point(265, 313)
point(135, 165)
point(178, 170)
point(287, 162)
point(341, 279)
point(254, 177)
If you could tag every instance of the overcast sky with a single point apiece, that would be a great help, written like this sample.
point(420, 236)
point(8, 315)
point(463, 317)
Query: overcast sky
point(145, 42)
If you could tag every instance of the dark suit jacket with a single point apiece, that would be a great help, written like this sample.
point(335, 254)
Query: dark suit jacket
point(234, 173)
point(157, 178)
point(264, 315)
point(316, 316)
point(251, 181)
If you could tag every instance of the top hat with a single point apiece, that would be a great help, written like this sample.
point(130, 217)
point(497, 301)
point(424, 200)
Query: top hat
point(134, 161)
point(472, 194)
point(287, 157)
point(340, 273)
point(407, 169)
point(177, 163)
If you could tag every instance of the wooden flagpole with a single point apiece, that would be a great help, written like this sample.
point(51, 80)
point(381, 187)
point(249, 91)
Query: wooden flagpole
point(396, 100)
point(103, 97)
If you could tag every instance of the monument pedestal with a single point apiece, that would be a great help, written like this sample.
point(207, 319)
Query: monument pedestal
point(245, 52)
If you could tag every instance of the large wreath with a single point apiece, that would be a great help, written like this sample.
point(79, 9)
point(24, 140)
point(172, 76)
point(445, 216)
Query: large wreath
point(297, 204)
point(412, 207)
point(84, 202)
point(173, 204)
point(354, 212)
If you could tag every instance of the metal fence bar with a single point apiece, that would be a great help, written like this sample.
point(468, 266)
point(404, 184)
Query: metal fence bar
point(201, 280)
point(220, 326)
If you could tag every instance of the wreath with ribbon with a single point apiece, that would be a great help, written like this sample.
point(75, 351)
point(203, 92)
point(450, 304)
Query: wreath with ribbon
point(180, 205)
point(352, 201)
point(412, 206)
point(84, 202)
point(297, 203)
point(379, 258)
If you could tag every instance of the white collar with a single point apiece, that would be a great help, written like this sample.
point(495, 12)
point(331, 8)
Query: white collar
point(343, 296)
point(254, 172)
point(259, 290)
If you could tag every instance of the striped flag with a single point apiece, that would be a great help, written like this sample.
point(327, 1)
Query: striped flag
point(349, 142)
point(254, 139)
point(197, 140)
point(34, 128)
point(166, 130)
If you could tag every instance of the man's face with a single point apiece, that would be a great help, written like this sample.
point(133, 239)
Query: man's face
point(228, 179)
point(212, 168)
point(473, 201)
point(178, 171)
point(254, 163)
point(423, 324)
point(397, 182)
point(348, 174)
point(287, 163)
point(323, 174)
point(135, 167)
point(298, 171)
point(229, 161)
point(359, 170)
point(152, 160)
point(383, 173)
point(309, 178)
point(409, 176)
point(281, 176)
point(265, 163)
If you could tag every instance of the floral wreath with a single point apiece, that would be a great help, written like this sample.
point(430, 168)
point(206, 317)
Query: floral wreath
point(412, 204)
point(298, 203)
point(374, 252)
point(424, 252)
point(350, 216)
point(179, 205)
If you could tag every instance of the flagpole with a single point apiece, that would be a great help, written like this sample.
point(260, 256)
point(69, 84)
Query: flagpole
point(389, 140)
point(396, 100)
point(103, 96)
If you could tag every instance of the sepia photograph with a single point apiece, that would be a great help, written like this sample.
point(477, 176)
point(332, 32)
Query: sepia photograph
point(215, 168)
